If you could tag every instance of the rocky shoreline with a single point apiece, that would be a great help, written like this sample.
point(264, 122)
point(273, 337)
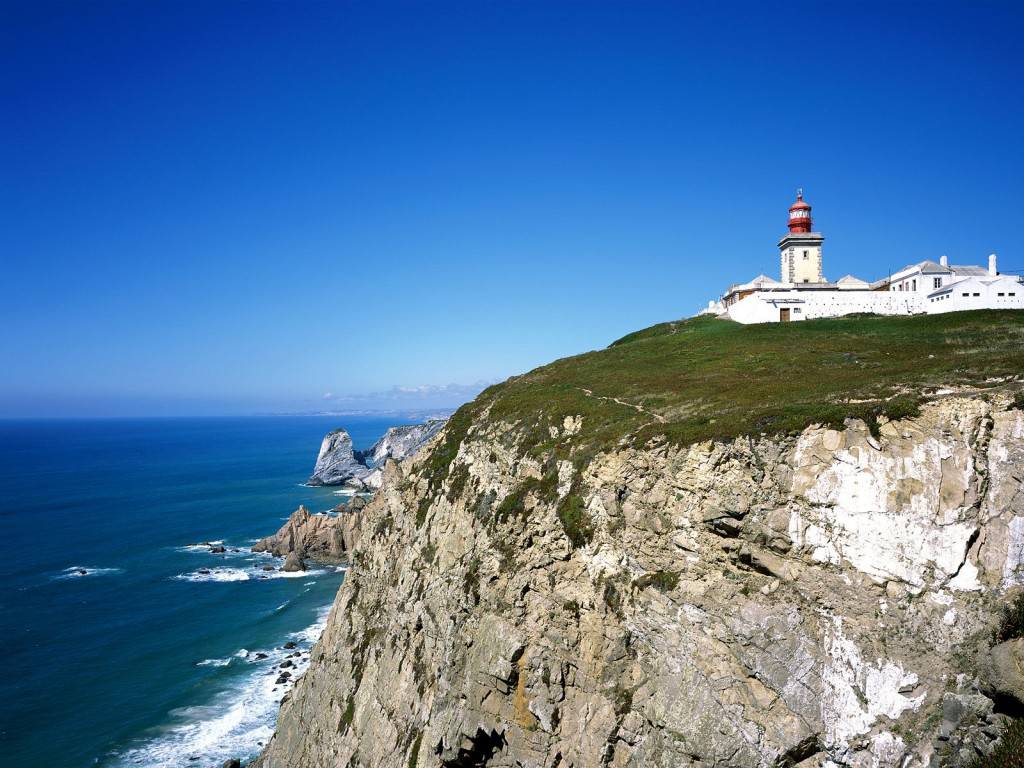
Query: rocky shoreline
point(330, 537)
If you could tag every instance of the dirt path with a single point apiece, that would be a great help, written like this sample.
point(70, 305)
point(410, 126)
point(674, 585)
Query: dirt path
point(634, 406)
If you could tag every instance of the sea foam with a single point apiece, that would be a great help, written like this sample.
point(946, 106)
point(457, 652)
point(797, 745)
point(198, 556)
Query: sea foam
point(244, 574)
point(237, 721)
point(81, 571)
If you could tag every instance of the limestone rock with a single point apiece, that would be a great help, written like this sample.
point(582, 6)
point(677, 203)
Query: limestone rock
point(293, 563)
point(1002, 669)
point(809, 600)
point(339, 464)
point(324, 538)
point(401, 442)
point(336, 464)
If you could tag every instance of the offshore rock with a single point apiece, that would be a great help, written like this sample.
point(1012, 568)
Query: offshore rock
point(336, 464)
point(507, 612)
point(324, 538)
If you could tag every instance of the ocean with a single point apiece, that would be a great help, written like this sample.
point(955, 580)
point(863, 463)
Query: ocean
point(123, 642)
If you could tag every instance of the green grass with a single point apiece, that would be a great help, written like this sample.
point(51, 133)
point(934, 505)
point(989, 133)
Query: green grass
point(706, 378)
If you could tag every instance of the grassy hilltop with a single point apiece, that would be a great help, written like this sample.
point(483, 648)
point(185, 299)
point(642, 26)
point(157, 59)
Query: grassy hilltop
point(707, 378)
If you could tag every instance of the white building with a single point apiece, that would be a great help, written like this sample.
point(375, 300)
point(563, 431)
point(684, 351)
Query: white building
point(803, 293)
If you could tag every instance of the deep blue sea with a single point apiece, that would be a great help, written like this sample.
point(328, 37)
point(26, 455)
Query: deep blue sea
point(144, 660)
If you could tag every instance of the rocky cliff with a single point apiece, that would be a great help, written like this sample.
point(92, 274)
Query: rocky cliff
point(707, 545)
point(815, 599)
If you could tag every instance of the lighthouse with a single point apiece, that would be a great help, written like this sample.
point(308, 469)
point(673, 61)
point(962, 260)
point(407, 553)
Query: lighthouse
point(800, 249)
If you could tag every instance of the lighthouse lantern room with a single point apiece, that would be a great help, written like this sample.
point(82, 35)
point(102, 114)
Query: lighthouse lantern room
point(800, 250)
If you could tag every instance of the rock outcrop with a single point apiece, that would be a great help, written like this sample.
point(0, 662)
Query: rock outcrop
point(339, 464)
point(815, 600)
point(1002, 671)
point(324, 538)
point(401, 442)
point(293, 562)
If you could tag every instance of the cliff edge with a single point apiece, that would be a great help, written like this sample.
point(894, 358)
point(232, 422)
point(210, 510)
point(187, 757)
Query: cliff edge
point(644, 556)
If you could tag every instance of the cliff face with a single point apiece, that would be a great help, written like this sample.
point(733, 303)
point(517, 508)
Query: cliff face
point(401, 442)
point(812, 600)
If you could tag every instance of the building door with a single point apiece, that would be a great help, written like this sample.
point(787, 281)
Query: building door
point(784, 315)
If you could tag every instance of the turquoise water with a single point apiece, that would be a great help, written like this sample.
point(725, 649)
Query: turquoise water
point(144, 660)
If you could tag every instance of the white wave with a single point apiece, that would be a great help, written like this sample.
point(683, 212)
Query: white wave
point(213, 662)
point(235, 722)
point(312, 633)
point(205, 548)
point(81, 571)
point(243, 574)
point(215, 574)
point(292, 574)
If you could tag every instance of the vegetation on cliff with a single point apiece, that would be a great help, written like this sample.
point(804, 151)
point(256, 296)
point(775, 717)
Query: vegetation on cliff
point(706, 378)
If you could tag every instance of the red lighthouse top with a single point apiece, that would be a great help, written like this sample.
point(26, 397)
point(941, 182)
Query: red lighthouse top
point(800, 214)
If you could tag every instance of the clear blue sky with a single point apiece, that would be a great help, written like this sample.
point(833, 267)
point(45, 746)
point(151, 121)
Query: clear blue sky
point(239, 207)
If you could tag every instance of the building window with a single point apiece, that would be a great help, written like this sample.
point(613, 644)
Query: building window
point(966, 295)
point(1013, 294)
point(937, 282)
point(1002, 294)
point(913, 285)
point(805, 255)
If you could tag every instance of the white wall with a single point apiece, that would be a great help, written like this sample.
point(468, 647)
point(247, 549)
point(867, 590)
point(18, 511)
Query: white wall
point(764, 307)
point(988, 296)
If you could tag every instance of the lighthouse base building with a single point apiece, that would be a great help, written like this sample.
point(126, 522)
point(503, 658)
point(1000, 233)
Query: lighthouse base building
point(803, 293)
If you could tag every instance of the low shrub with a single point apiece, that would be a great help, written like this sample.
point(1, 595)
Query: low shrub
point(1009, 753)
point(1011, 625)
point(663, 581)
point(576, 521)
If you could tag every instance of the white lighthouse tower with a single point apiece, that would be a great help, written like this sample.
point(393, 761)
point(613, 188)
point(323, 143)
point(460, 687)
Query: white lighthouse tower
point(801, 249)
